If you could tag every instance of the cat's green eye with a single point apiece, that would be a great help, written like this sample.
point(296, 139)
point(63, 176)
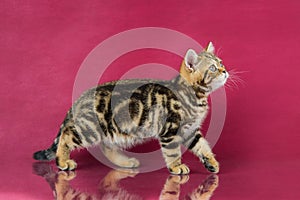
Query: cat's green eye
point(213, 68)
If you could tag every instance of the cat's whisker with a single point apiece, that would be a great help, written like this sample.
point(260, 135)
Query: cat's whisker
point(234, 71)
point(234, 80)
point(231, 85)
point(219, 51)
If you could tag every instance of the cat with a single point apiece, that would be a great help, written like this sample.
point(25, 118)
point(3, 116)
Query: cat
point(120, 114)
point(110, 186)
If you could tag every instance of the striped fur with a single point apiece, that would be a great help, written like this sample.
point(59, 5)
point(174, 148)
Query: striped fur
point(120, 114)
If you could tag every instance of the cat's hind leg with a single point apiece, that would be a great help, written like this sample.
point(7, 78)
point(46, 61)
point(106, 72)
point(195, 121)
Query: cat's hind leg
point(114, 155)
point(68, 141)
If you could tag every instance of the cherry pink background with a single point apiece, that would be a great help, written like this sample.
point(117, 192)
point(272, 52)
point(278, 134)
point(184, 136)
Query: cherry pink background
point(43, 43)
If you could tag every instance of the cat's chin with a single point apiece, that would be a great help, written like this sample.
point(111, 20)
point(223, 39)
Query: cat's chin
point(216, 87)
point(219, 83)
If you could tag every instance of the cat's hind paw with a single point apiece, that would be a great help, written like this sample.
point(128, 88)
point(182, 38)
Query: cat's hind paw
point(129, 163)
point(179, 169)
point(132, 163)
point(67, 165)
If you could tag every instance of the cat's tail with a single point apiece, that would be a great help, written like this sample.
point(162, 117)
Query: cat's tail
point(48, 154)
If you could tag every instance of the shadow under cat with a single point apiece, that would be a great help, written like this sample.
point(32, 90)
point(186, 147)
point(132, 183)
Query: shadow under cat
point(110, 188)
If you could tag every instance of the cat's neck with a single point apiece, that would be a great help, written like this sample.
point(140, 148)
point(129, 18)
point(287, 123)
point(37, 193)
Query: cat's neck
point(200, 91)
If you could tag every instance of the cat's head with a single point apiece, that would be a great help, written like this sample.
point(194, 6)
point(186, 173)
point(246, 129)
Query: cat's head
point(204, 71)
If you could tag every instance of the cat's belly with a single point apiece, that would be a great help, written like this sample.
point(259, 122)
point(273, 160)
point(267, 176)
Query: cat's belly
point(191, 126)
point(131, 133)
point(128, 140)
point(192, 123)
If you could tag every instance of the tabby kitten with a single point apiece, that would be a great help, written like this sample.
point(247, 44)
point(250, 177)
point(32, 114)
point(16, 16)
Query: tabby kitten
point(120, 114)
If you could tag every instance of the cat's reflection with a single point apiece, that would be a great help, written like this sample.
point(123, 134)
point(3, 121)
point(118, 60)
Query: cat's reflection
point(204, 191)
point(109, 186)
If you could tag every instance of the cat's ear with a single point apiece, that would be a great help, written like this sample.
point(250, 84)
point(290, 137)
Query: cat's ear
point(190, 59)
point(210, 48)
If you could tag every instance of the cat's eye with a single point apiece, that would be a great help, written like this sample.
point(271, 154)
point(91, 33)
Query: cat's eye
point(213, 68)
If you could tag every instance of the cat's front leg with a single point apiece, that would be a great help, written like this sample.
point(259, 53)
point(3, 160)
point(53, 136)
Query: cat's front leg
point(171, 151)
point(200, 147)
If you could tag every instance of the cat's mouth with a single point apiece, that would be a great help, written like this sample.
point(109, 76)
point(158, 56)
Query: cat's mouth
point(226, 76)
point(219, 82)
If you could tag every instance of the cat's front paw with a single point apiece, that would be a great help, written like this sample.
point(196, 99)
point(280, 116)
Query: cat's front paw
point(210, 163)
point(179, 169)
